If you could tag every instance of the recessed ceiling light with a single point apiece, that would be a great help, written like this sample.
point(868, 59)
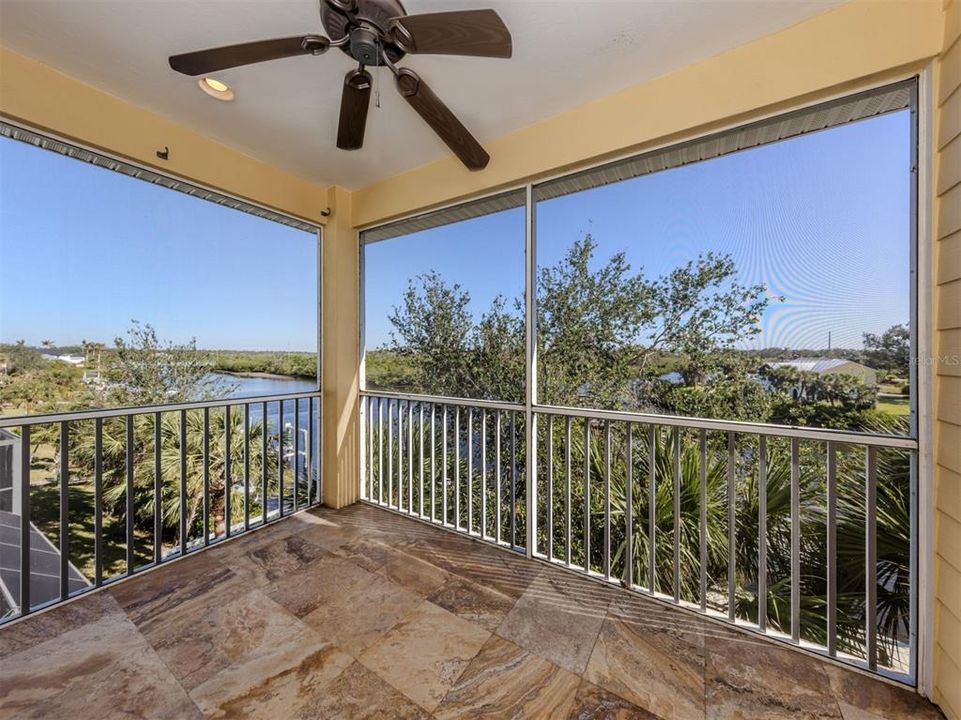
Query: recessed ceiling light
point(216, 89)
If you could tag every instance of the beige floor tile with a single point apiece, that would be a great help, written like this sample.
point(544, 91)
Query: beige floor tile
point(557, 619)
point(249, 634)
point(424, 654)
point(658, 666)
point(104, 669)
point(749, 677)
point(877, 696)
point(275, 560)
point(276, 694)
point(357, 619)
point(473, 602)
point(595, 703)
point(506, 681)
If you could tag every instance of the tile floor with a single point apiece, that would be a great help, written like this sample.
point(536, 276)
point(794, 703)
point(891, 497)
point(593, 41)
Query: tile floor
point(360, 613)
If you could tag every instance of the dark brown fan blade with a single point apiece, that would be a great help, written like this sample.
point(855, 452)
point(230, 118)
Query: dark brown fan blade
point(205, 61)
point(353, 110)
point(464, 32)
point(441, 119)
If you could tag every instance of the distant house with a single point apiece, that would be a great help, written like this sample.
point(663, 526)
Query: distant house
point(69, 359)
point(826, 366)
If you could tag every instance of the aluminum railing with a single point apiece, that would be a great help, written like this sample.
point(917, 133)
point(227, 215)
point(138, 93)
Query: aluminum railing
point(805, 535)
point(131, 488)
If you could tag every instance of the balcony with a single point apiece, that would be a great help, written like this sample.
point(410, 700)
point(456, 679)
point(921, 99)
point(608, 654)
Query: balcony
point(363, 613)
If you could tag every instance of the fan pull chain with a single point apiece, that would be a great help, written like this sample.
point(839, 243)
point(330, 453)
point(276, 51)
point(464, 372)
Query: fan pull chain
point(380, 65)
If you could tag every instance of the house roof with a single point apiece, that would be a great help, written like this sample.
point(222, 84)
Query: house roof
point(817, 365)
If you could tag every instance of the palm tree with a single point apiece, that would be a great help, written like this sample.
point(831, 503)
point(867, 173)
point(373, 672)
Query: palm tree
point(114, 455)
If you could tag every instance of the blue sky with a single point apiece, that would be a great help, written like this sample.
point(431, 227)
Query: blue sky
point(84, 250)
point(823, 220)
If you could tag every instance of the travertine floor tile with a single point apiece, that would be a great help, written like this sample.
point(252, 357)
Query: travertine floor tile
point(748, 677)
point(104, 669)
point(278, 693)
point(275, 560)
point(424, 654)
point(657, 664)
point(550, 620)
point(473, 602)
point(249, 634)
point(858, 692)
point(507, 681)
point(357, 619)
point(596, 703)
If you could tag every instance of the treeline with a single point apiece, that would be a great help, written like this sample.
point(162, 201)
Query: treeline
point(294, 364)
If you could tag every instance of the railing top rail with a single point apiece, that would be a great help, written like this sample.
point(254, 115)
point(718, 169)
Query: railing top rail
point(442, 400)
point(93, 414)
point(736, 426)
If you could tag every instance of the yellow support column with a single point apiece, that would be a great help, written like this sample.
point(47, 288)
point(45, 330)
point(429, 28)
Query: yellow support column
point(341, 381)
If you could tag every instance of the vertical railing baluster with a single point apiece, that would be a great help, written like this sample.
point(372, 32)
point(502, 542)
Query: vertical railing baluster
point(380, 450)
point(309, 453)
point(206, 475)
point(677, 515)
point(183, 482)
point(263, 464)
point(483, 479)
point(228, 475)
point(652, 509)
point(457, 524)
point(98, 502)
point(470, 470)
point(871, 558)
point(400, 454)
point(420, 459)
point(550, 487)
point(499, 471)
point(410, 457)
point(390, 453)
point(607, 499)
point(702, 534)
point(443, 459)
point(65, 510)
point(25, 507)
point(629, 505)
point(832, 549)
point(513, 479)
point(795, 540)
point(762, 534)
point(731, 528)
point(567, 490)
point(433, 462)
point(587, 495)
point(129, 495)
point(370, 447)
point(295, 454)
point(280, 458)
point(246, 466)
point(157, 492)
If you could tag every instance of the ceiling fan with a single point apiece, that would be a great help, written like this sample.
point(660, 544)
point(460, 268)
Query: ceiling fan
point(374, 33)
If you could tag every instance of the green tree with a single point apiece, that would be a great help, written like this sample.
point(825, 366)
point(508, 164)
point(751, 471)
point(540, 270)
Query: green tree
point(144, 370)
point(891, 350)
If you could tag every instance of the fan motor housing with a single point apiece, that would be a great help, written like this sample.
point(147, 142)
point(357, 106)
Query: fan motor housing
point(364, 46)
point(372, 19)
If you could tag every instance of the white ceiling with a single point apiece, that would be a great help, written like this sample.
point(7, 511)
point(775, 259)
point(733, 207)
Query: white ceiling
point(566, 52)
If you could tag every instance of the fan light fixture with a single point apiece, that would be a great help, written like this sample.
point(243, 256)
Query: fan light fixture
point(216, 89)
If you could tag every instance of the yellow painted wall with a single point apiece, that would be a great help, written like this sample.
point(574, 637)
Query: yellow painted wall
point(947, 324)
point(341, 355)
point(46, 99)
point(843, 46)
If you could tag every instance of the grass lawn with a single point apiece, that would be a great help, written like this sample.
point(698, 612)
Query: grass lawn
point(895, 404)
